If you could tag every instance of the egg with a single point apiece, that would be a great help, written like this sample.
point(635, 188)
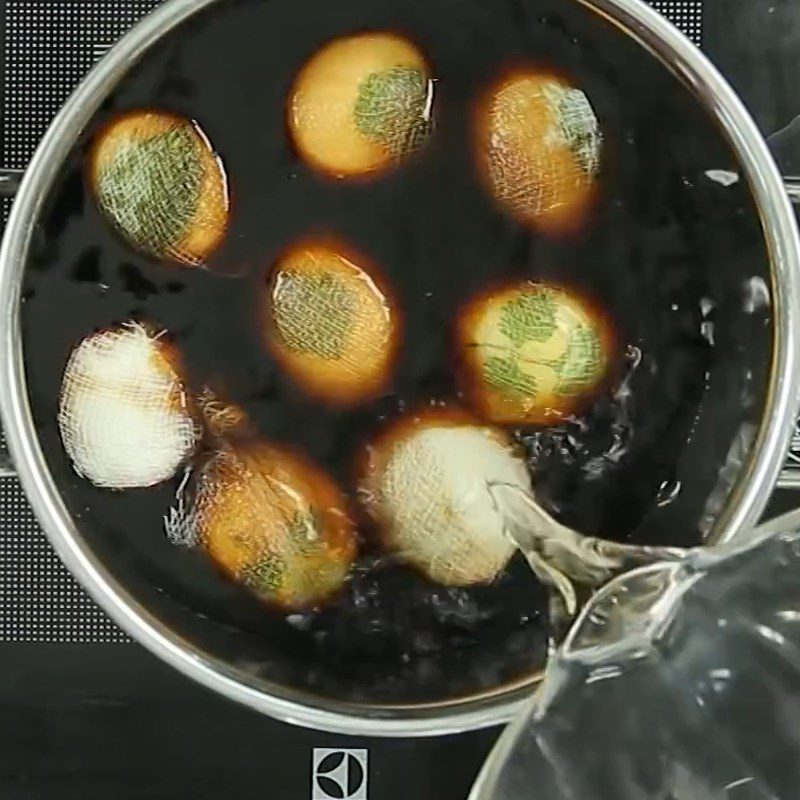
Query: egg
point(539, 147)
point(158, 181)
point(124, 413)
point(272, 521)
point(330, 322)
point(361, 104)
point(426, 481)
point(531, 352)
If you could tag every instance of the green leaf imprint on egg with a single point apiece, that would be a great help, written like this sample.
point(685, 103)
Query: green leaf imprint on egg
point(314, 313)
point(264, 576)
point(151, 189)
point(303, 532)
point(582, 364)
point(505, 375)
point(324, 575)
point(314, 570)
point(530, 316)
point(578, 125)
point(392, 109)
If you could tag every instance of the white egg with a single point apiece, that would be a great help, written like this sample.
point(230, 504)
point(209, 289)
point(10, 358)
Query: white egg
point(431, 492)
point(124, 416)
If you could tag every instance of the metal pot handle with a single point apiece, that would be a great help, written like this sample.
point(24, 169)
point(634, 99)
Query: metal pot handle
point(792, 184)
point(789, 479)
point(9, 181)
point(9, 184)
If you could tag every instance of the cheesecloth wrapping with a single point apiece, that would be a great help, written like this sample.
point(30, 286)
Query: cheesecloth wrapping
point(437, 511)
point(123, 412)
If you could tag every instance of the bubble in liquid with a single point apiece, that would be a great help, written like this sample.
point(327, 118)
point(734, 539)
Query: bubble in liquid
point(668, 492)
point(757, 295)
point(723, 177)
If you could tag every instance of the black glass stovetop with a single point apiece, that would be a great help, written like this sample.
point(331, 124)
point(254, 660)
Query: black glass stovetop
point(85, 713)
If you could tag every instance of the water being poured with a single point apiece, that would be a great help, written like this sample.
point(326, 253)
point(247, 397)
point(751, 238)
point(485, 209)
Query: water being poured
point(709, 650)
point(568, 563)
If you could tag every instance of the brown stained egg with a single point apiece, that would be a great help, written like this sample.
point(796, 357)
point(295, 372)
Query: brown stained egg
point(539, 148)
point(361, 103)
point(426, 482)
point(330, 324)
point(158, 181)
point(531, 352)
point(124, 414)
point(273, 522)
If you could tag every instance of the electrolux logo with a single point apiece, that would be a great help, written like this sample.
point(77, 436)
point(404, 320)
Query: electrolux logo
point(339, 774)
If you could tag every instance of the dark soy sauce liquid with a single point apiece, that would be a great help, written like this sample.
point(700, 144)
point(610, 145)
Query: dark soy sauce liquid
point(661, 239)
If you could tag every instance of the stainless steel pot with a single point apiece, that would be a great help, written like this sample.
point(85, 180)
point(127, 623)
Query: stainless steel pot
point(743, 503)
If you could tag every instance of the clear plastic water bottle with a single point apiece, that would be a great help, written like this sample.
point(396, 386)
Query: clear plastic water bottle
point(678, 682)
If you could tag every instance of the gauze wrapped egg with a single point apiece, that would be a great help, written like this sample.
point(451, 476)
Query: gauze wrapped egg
point(530, 352)
point(124, 414)
point(329, 324)
point(539, 147)
point(361, 103)
point(271, 521)
point(427, 482)
point(157, 179)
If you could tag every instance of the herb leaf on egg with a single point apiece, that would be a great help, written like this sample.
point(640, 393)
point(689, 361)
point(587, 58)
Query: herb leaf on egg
point(503, 373)
point(265, 576)
point(577, 124)
point(529, 317)
point(581, 363)
point(151, 189)
point(391, 109)
point(314, 313)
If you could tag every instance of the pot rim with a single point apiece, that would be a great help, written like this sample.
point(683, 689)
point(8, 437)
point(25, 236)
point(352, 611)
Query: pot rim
point(496, 706)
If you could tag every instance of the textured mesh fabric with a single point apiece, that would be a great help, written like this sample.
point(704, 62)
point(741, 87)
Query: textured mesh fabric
point(331, 326)
point(152, 188)
point(272, 522)
point(361, 103)
point(543, 147)
point(532, 350)
point(161, 186)
point(577, 124)
point(432, 500)
point(123, 414)
point(315, 312)
point(393, 109)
